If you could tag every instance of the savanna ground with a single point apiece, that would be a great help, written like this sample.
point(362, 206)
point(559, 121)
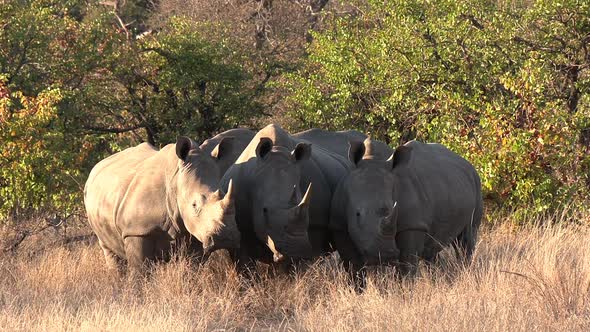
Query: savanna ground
point(522, 278)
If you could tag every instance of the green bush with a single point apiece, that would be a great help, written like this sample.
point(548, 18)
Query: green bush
point(76, 85)
point(504, 86)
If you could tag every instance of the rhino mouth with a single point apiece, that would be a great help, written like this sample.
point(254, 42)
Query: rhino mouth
point(277, 257)
point(208, 250)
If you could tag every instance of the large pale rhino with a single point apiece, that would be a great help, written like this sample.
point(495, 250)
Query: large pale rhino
point(142, 203)
point(283, 191)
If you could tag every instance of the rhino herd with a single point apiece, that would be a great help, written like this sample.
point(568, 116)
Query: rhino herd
point(285, 199)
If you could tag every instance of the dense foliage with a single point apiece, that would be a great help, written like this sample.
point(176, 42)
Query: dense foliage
point(78, 84)
point(505, 86)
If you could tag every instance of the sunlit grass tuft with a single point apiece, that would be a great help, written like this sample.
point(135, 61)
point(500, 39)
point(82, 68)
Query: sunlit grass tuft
point(521, 278)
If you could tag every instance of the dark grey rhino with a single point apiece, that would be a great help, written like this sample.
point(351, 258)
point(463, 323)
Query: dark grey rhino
point(241, 137)
point(410, 206)
point(141, 202)
point(283, 193)
point(339, 142)
point(334, 141)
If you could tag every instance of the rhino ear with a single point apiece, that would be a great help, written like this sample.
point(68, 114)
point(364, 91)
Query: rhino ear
point(223, 149)
point(183, 146)
point(356, 151)
point(302, 151)
point(400, 157)
point(264, 147)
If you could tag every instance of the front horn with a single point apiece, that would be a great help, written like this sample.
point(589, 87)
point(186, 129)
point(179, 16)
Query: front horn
point(306, 197)
point(299, 215)
point(228, 199)
point(388, 224)
point(230, 191)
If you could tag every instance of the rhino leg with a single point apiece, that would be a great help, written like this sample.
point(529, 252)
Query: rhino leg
point(465, 245)
point(113, 261)
point(411, 246)
point(139, 251)
point(283, 268)
point(351, 259)
point(245, 265)
point(193, 249)
point(320, 242)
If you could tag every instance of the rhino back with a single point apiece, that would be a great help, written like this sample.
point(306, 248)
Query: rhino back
point(143, 208)
point(334, 141)
point(241, 139)
point(125, 195)
point(438, 190)
point(106, 186)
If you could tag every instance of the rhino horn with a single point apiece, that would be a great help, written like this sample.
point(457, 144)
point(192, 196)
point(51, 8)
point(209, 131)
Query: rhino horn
point(306, 197)
point(217, 195)
point(388, 224)
point(299, 214)
point(228, 200)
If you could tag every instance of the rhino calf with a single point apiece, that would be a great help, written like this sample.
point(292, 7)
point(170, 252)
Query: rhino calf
point(410, 206)
point(142, 203)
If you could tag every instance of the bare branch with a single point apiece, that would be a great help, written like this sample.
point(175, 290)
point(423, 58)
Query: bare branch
point(112, 130)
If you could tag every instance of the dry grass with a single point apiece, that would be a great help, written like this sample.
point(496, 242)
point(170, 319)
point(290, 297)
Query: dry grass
point(534, 278)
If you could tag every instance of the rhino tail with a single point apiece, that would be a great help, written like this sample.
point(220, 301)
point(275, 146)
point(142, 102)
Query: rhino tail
point(476, 219)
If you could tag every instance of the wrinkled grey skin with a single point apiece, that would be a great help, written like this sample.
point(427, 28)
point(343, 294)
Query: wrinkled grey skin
point(241, 138)
point(283, 193)
point(423, 198)
point(334, 141)
point(142, 203)
point(339, 142)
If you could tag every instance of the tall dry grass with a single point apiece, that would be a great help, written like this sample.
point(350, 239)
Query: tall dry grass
point(521, 279)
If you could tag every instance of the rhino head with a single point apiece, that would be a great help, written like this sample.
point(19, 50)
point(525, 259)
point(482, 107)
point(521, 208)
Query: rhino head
point(207, 213)
point(372, 210)
point(280, 210)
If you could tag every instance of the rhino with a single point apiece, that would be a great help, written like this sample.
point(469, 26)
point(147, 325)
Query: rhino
point(334, 141)
point(241, 137)
point(283, 190)
point(143, 203)
point(339, 142)
point(409, 206)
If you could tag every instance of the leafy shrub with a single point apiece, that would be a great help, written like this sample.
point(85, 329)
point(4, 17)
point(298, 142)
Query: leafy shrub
point(505, 86)
point(78, 85)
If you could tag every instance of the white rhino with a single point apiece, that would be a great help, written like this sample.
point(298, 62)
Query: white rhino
point(410, 206)
point(283, 194)
point(142, 203)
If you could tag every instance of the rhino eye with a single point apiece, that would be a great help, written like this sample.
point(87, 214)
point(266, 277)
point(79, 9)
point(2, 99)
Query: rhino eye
point(265, 210)
point(358, 214)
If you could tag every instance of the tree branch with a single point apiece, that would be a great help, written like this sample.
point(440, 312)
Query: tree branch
point(112, 130)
